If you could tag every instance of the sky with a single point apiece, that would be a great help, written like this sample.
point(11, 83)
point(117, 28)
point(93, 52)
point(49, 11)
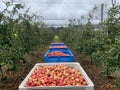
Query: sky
point(58, 12)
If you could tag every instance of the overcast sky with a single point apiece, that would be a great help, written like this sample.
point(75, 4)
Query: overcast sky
point(62, 10)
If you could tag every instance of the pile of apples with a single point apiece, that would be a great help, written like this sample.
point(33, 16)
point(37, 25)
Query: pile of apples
point(58, 46)
point(57, 53)
point(55, 75)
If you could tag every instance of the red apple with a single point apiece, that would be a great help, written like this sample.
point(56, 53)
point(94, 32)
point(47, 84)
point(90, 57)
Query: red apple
point(56, 75)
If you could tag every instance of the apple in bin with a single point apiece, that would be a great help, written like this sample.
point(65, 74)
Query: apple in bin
point(56, 75)
point(57, 53)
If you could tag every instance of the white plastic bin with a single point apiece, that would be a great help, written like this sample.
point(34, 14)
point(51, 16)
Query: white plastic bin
point(75, 65)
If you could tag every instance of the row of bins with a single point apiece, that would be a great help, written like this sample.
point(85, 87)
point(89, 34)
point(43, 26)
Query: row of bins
point(57, 48)
point(67, 59)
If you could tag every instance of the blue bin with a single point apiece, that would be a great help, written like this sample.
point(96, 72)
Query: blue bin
point(48, 59)
point(58, 49)
point(57, 44)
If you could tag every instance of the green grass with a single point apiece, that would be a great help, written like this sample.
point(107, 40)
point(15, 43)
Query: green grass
point(56, 39)
point(117, 82)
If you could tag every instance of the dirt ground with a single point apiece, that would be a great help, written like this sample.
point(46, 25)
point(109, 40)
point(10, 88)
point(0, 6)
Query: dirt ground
point(93, 71)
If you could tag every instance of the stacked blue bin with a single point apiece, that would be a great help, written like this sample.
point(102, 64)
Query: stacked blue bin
point(48, 59)
point(57, 44)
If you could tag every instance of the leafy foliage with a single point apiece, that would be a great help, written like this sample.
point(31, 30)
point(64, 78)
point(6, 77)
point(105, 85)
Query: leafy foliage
point(102, 45)
point(20, 33)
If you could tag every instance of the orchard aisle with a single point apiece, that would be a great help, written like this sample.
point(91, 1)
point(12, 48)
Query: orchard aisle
point(93, 71)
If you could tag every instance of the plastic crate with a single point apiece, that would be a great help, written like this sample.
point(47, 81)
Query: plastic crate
point(75, 65)
point(48, 59)
point(58, 49)
point(57, 44)
point(61, 46)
